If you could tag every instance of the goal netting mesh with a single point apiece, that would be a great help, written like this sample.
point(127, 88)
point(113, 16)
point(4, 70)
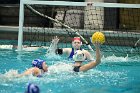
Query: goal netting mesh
point(120, 24)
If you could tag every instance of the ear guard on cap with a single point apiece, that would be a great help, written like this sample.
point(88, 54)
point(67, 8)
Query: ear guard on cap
point(79, 56)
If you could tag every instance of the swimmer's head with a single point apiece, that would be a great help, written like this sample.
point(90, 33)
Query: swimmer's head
point(40, 64)
point(32, 88)
point(76, 42)
point(79, 56)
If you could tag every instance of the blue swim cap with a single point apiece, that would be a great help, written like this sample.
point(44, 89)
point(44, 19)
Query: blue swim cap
point(32, 88)
point(38, 63)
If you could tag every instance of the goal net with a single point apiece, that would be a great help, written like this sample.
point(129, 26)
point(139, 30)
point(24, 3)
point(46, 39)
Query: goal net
point(119, 22)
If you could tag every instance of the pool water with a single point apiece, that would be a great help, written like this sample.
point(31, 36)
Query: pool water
point(115, 74)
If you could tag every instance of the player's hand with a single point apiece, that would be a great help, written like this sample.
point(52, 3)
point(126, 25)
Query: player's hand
point(55, 40)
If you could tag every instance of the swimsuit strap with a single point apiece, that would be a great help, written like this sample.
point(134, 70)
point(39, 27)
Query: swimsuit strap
point(72, 53)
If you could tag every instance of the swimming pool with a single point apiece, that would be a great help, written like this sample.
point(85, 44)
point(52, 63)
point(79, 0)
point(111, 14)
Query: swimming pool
point(115, 74)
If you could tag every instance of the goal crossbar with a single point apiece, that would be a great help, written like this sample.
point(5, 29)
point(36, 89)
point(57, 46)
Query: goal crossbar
point(96, 4)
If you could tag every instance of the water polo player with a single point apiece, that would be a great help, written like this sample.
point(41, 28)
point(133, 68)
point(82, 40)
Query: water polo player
point(38, 68)
point(79, 57)
point(76, 45)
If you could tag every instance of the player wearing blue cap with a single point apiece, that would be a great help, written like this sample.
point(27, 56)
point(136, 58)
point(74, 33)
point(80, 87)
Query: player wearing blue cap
point(38, 68)
point(32, 88)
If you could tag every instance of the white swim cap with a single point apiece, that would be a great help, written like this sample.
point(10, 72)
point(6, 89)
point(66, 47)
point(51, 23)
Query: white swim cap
point(79, 56)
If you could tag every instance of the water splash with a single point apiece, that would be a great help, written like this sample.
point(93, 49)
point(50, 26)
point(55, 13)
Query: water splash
point(114, 58)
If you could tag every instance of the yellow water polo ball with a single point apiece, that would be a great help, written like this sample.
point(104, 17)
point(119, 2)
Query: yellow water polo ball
point(98, 36)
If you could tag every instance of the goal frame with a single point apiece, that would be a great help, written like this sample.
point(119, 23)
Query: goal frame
point(62, 3)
